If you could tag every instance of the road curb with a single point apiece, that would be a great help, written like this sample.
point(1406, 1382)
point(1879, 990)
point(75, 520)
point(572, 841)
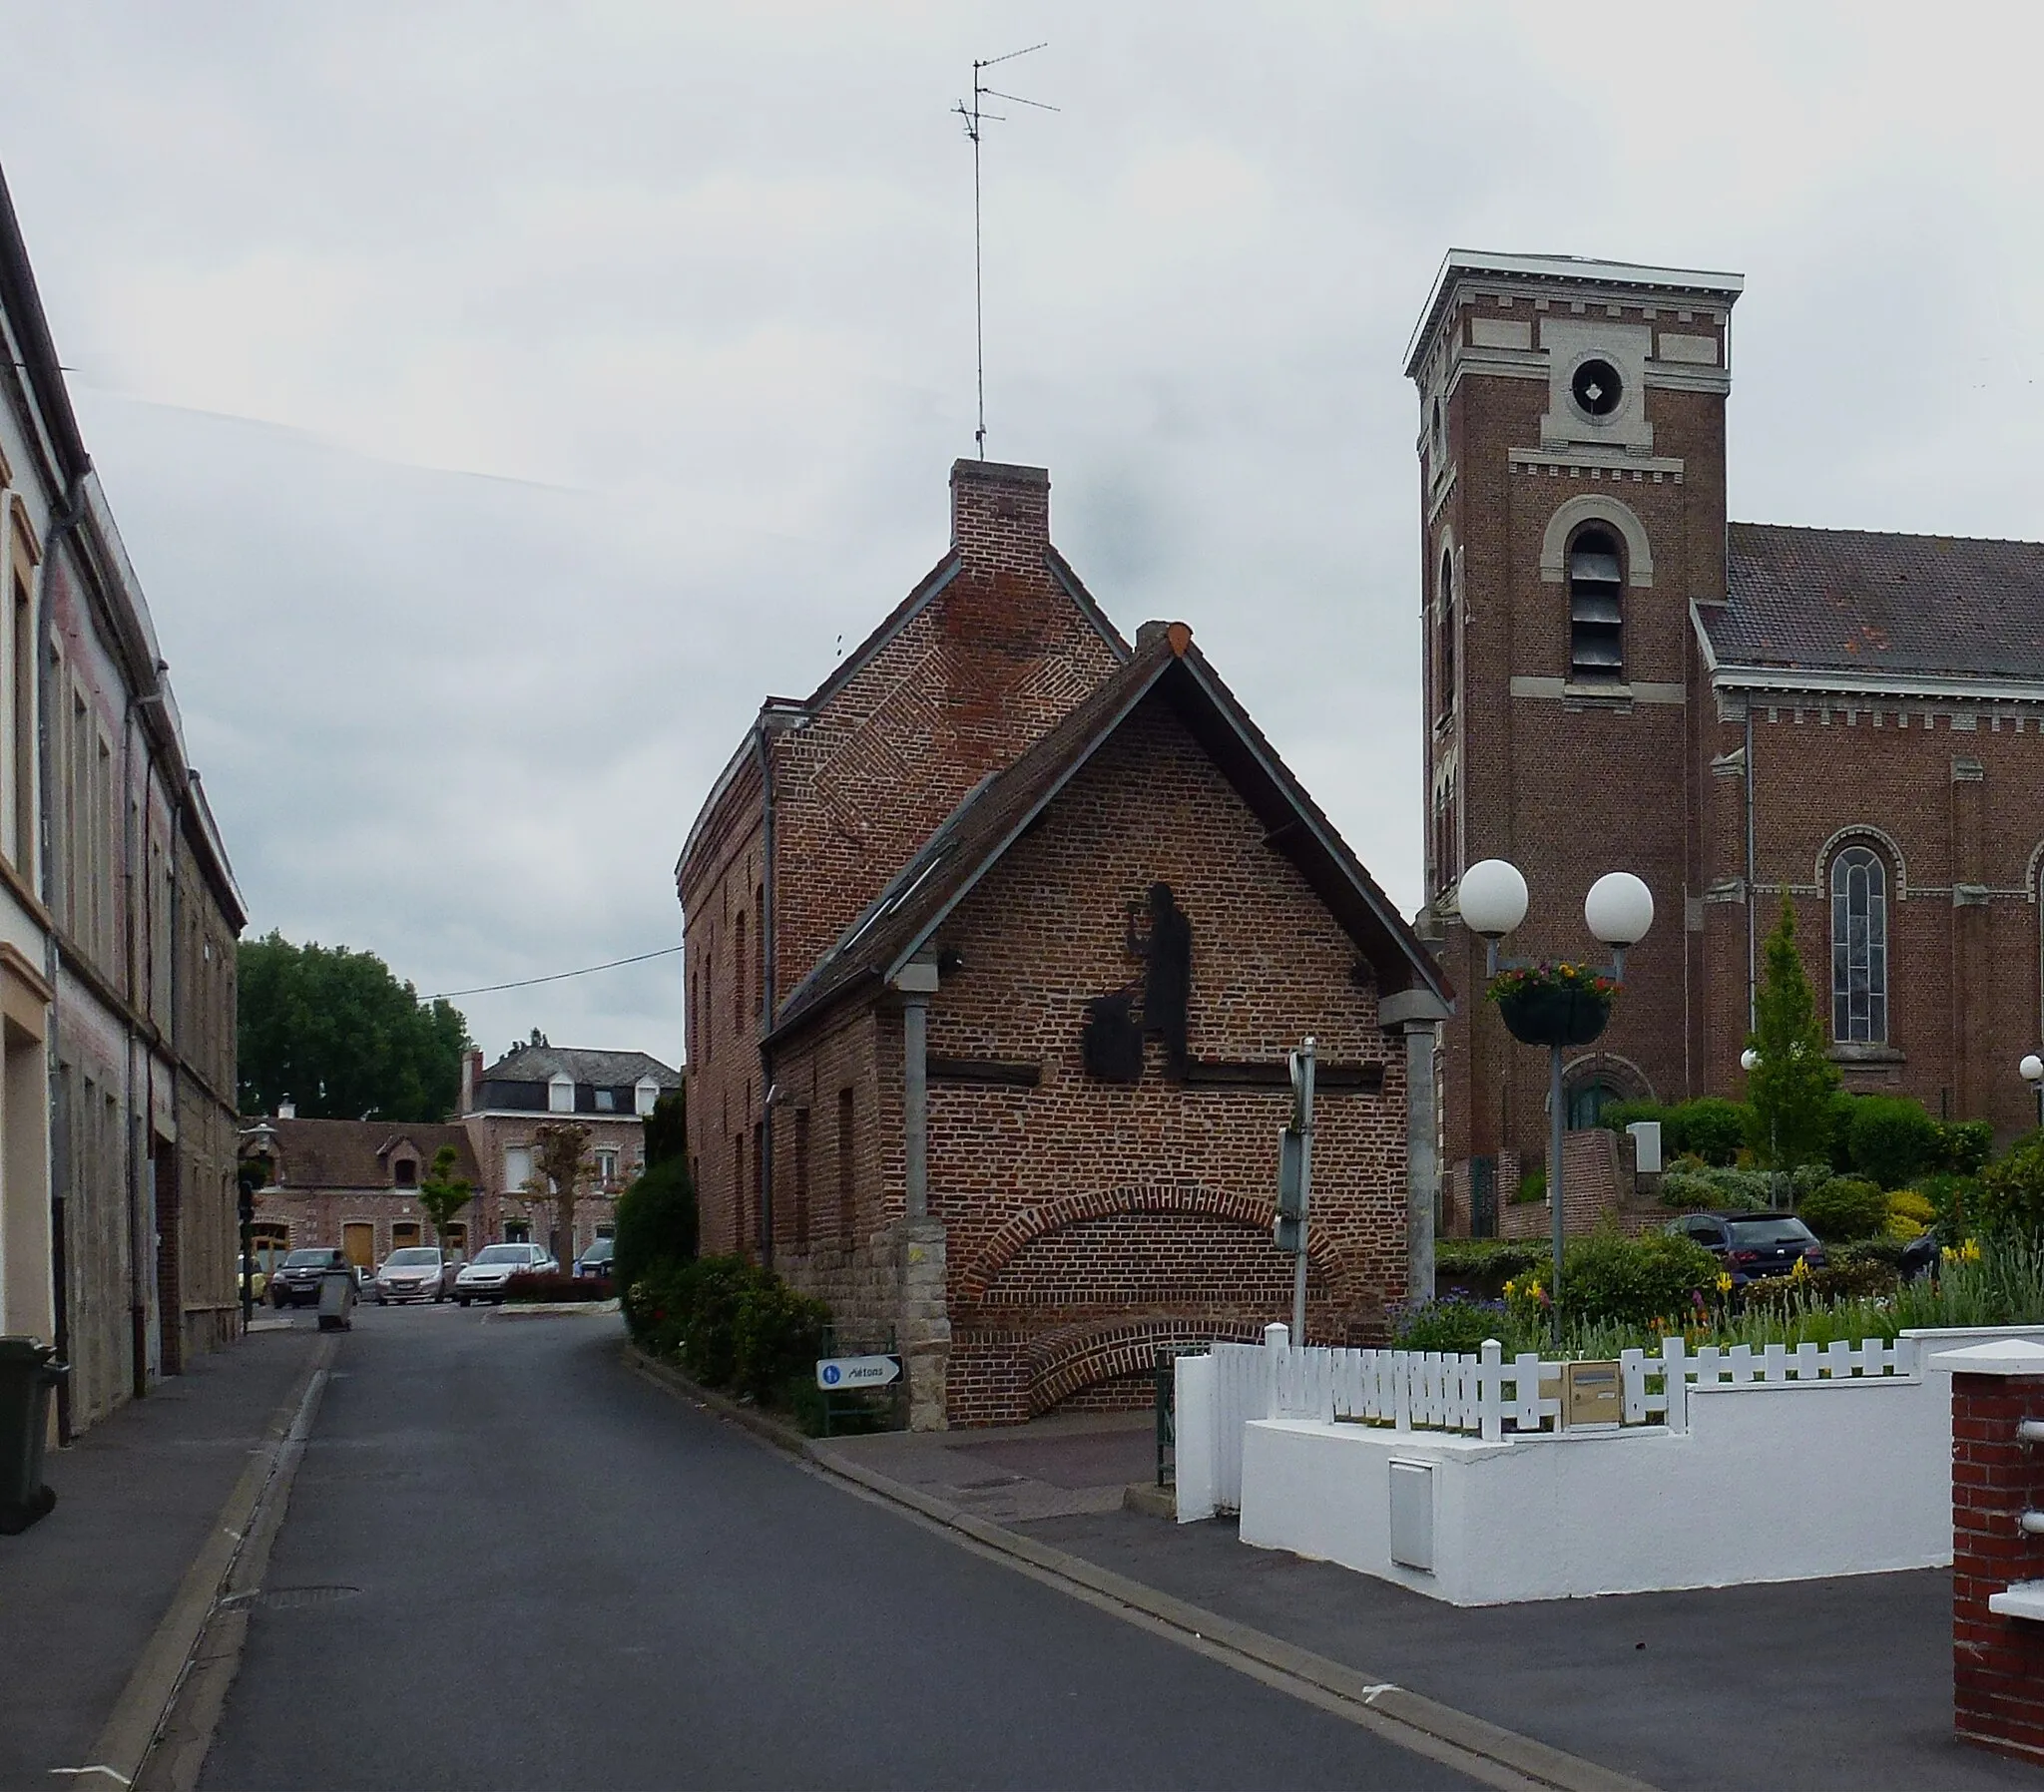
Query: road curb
point(122, 1749)
point(1401, 1708)
point(776, 1432)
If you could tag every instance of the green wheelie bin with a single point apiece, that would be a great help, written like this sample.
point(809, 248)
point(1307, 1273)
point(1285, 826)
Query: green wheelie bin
point(28, 1374)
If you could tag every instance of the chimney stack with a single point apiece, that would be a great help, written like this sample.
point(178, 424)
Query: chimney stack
point(471, 1074)
point(1000, 515)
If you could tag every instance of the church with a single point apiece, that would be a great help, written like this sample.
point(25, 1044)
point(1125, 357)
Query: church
point(1620, 677)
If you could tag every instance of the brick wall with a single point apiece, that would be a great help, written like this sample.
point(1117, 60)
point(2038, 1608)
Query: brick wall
point(1088, 1223)
point(1997, 1662)
point(957, 684)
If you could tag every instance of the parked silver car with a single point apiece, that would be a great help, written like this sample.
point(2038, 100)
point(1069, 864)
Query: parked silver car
point(495, 1265)
point(417, 1272)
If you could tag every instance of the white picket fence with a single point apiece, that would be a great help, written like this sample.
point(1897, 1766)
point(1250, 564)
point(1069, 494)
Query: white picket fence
point(1489, 1396)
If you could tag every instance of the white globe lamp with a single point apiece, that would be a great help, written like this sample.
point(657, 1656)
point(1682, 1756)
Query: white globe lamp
point(1619, 909)
point(2031, 1070)
point(1749, 1061)
point(1492, 898)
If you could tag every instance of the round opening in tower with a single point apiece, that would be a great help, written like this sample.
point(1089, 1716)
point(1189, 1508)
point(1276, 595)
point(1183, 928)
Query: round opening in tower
point(1597, 388)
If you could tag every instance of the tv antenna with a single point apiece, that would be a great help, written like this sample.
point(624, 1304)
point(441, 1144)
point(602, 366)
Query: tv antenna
point(973, 116)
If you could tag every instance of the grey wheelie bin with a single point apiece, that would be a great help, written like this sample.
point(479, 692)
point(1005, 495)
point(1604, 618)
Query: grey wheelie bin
point(28, 1375)
point(337, 1300)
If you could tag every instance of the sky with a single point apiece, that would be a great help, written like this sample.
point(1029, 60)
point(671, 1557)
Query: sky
point(499, 399)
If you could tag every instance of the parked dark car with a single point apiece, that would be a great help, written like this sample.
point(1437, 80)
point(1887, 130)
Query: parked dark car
point(1752, 1245)
point(296, 1282)
point(595, 1260)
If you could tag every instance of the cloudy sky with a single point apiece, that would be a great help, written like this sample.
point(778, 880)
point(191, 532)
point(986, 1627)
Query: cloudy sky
point(497, 398)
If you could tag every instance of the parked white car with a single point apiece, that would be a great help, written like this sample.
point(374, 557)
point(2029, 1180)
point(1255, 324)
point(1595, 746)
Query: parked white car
point(493, 1266)
point(417, 1272)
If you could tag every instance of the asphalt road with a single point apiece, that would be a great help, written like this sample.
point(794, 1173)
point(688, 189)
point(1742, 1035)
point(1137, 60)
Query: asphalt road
point(565, 1577)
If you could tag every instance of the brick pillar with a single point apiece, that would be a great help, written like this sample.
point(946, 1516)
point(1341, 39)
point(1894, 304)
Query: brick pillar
point(1998, 1569)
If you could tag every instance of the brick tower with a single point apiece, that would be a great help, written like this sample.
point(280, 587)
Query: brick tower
point(1572, 509)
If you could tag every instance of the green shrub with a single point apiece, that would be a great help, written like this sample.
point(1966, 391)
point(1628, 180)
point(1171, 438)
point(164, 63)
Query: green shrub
point(1693, 1186)
point(656, 1219)
point(1710, 1127)
point(2011, 1198)
point(657, 1308)
point(1964, 1145)
point(1608, 1279)
point(1486, 1256)
point(710, 1342)
point(1844, 1208)
point(1954, 1200)
point(1457, 1325)
point(1840, 1148)
point(777, 1336)
point(1892, 1139)
point(1886, 1250)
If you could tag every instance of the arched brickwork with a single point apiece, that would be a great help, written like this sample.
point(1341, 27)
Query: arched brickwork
point(1061, 1363)
point(1232, 1209)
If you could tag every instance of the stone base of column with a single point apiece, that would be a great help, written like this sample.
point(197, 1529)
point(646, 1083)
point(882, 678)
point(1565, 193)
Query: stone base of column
point(924, 1323)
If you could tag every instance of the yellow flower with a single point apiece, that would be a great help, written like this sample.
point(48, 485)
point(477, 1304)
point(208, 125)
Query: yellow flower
point(1970, 1250)
point(1801, 1270)
point(1723, 1281)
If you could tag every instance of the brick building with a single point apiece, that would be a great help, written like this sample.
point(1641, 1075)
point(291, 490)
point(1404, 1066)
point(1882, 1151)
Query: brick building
point(354, 1182)
point(1619, 678)
point(996, 948)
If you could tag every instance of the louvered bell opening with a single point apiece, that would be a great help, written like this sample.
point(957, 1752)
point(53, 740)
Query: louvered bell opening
point(1594, 652)
point(1597, 564)
point(1594, 607)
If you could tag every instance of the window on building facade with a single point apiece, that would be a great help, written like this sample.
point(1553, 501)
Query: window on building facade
point(1445, 658)
point(845, 1217)
point(801, 1179)
point(1596, 581)
point(645, 1094)
point(1860, 947)
point(739, 969)
point(606, 1101)
point(759, 949)
point(606, 1169)
point(21, 845)
point(517, 1166)
point(560, 1095)
point(405, 1173)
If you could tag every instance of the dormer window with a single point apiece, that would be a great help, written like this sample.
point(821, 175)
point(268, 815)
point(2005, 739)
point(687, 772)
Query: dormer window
point(561, 1095)
point(1596, 580)
point(405, 1172)
point(643, 1095)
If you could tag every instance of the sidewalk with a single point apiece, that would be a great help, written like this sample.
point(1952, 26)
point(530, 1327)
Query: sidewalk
point(1829, 1685)
point(82, 1592)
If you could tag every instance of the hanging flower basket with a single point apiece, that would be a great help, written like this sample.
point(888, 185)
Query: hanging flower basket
point(1553, 1003)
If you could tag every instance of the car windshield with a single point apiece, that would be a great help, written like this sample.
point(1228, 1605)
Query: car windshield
point(1771, 1231)
point(504, 1254)
point(421, 1257)
point(305, 1259)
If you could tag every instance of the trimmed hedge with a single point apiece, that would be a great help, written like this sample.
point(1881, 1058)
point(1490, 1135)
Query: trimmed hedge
point(1608, 1279)
point(1893, 1139)
point(732, 1323)
point(1844, 1208)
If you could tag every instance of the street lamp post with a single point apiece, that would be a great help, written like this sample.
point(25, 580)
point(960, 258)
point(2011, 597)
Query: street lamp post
point(2031, 1070)
point(1749, 1062)
point(1618, 911)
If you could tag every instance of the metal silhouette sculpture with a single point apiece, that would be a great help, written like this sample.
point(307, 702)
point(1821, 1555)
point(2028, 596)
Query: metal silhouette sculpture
point(1117, 1024)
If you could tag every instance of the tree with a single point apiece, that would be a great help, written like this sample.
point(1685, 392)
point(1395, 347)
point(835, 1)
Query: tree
point(666, 1129)
point(656, 1222)
point(333, 1031)
point(443, 1193)
point(560, 1165)
point(1792, 1083)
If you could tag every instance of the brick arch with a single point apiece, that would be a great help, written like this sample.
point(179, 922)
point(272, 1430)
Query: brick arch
point(1862, 833)
point(1596, 507)
point(1073, 1209)
point(1064, 1362)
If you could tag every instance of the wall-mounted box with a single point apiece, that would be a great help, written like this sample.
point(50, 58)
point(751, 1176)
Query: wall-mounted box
point(1591, 1394)
point(1411, 1540)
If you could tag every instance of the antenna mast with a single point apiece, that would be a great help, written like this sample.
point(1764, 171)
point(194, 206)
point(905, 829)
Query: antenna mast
point(973, 115)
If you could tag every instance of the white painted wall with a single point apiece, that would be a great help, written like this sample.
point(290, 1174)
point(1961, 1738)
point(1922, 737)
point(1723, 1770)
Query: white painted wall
point(1769, 1483)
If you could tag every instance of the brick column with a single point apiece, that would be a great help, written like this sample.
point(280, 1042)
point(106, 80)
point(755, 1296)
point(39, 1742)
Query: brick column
point(1997, 1568)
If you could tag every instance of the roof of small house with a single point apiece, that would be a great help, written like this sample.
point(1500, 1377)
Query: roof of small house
point(599, 1070)
point(993, 815)
point(1856, 606)
point(359, 1153)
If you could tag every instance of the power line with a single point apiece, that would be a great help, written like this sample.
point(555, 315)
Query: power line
point(526, 983)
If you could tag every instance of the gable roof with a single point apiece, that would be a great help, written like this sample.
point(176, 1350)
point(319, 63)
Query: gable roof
point(601, 1069)
point(994, 814)
point(351, 1154)
point(1857, 609)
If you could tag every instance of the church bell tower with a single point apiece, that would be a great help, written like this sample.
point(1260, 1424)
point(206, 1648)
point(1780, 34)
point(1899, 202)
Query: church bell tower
point(1572, 517)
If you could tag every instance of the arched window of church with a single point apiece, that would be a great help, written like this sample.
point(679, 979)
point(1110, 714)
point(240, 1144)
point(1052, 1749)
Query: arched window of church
point(1446, 658)
point(1596, 579)
point(1860, 947)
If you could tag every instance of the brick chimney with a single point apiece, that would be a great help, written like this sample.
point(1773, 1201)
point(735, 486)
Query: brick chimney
point(1000, 515)
point(471, 1074)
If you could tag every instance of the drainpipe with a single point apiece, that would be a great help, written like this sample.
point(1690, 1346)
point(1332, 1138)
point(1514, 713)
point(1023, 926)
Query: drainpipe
point(60, 1116)
point(917, 983)
point(1751, 898)
point(765, 947)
